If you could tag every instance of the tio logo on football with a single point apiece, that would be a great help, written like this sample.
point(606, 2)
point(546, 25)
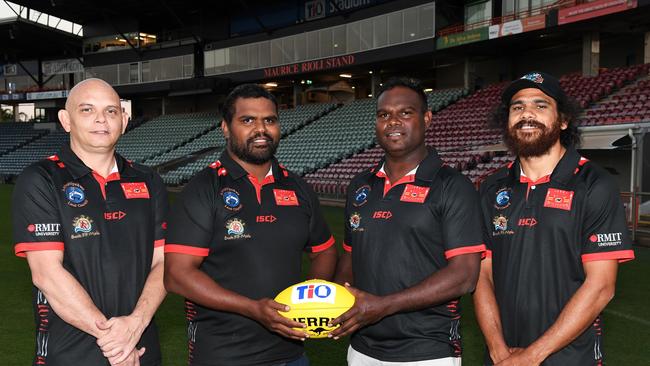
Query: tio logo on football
point(314, 292)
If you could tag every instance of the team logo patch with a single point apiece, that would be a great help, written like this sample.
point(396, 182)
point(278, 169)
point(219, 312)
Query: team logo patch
point(502, 200)
point(557, 198)
point(285, 197)
point(415, 194)
point(607, 239)
point(231, 199)
point(500, 223)
point(235, 229)
point(534, 77)
point(135, 190)
point(50, 229)
point(361, 196)
point(82, 226)
point(75, 194)
point(355, 222)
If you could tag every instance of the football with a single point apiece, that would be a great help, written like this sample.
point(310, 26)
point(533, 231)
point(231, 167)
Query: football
point(315, 303)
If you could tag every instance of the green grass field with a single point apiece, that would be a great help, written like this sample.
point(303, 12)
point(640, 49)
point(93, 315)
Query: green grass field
point(627, 321)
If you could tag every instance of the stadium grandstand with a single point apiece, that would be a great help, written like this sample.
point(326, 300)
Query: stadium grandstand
point(173, 62)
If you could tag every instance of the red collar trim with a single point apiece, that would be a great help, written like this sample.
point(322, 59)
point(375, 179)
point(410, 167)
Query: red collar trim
point(408, 178)
point(525, 179)
point(258, 185)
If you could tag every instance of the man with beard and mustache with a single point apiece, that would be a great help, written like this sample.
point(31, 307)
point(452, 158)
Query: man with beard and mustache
point(236, 238)
point(555, 230)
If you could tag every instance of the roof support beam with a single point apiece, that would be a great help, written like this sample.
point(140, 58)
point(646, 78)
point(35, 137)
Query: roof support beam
point(133, 47)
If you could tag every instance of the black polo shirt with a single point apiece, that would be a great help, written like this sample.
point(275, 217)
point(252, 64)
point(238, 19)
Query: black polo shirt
point(538, 235)
point(399, 235)
point(107, 230)
point(252, 235)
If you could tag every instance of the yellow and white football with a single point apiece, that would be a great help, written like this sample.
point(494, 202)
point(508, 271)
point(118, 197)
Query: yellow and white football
point(315, 303)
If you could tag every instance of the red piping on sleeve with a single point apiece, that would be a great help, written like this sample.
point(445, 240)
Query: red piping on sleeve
point(465, 250)
point(620, 255)
point(21, 248)
point(187, 249)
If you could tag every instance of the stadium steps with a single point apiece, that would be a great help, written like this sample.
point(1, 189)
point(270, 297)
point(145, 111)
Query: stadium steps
point(178, 165)
point(184, 172)
point(135, 123)
point(163, 134)
point(204, 140)
point(644, 221)
point(295, 119)
point(13, 163)
point(184, 160)
point(333, 178)
point(612, 97)
point(627, 101)
point(14, 135)
point(23, 143)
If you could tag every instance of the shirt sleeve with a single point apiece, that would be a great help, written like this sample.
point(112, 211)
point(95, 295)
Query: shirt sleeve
point(605, 234)
point(160, 210)
point(486, 199)
point(347, 212)
point(320, 237)
point(191, 219)
point(36, 220)
point(461, 218)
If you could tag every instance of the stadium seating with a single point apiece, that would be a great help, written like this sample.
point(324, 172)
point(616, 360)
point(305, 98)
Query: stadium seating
point(14, 162)
point(439, 99)
point(463, 124)
point(163, 134)
point(212, 138)
point(329, 144)
point(184, 173)
point(628, 105)
point(295, 118)
point(344, 131)
point(14, 135)
point(291, 120)
point(462, 127)
point(587, 89)
point(335, 178)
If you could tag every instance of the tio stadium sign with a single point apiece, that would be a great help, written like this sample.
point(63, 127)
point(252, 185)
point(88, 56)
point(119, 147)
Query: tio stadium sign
point(316, 9)
point(309, 66)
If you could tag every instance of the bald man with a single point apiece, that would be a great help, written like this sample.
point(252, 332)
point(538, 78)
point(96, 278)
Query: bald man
point(90, 224)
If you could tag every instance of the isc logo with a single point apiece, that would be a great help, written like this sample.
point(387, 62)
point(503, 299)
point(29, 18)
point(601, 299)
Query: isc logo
point(382, 215)
point(313, 292)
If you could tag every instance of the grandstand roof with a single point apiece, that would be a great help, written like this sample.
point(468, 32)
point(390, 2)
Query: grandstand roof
point(153, 15)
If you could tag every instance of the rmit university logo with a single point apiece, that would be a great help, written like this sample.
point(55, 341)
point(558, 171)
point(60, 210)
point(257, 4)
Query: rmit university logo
point(313, 292)
point(607, 239)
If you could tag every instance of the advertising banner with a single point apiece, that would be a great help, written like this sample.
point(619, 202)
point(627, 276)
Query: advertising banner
point(518, 26)
point(457, 39)
point(594, 9)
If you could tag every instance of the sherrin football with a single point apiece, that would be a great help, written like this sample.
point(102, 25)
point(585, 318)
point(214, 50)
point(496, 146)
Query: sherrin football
point(314, 303)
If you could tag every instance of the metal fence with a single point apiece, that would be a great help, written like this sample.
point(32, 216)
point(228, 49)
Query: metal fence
point(632, 202)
